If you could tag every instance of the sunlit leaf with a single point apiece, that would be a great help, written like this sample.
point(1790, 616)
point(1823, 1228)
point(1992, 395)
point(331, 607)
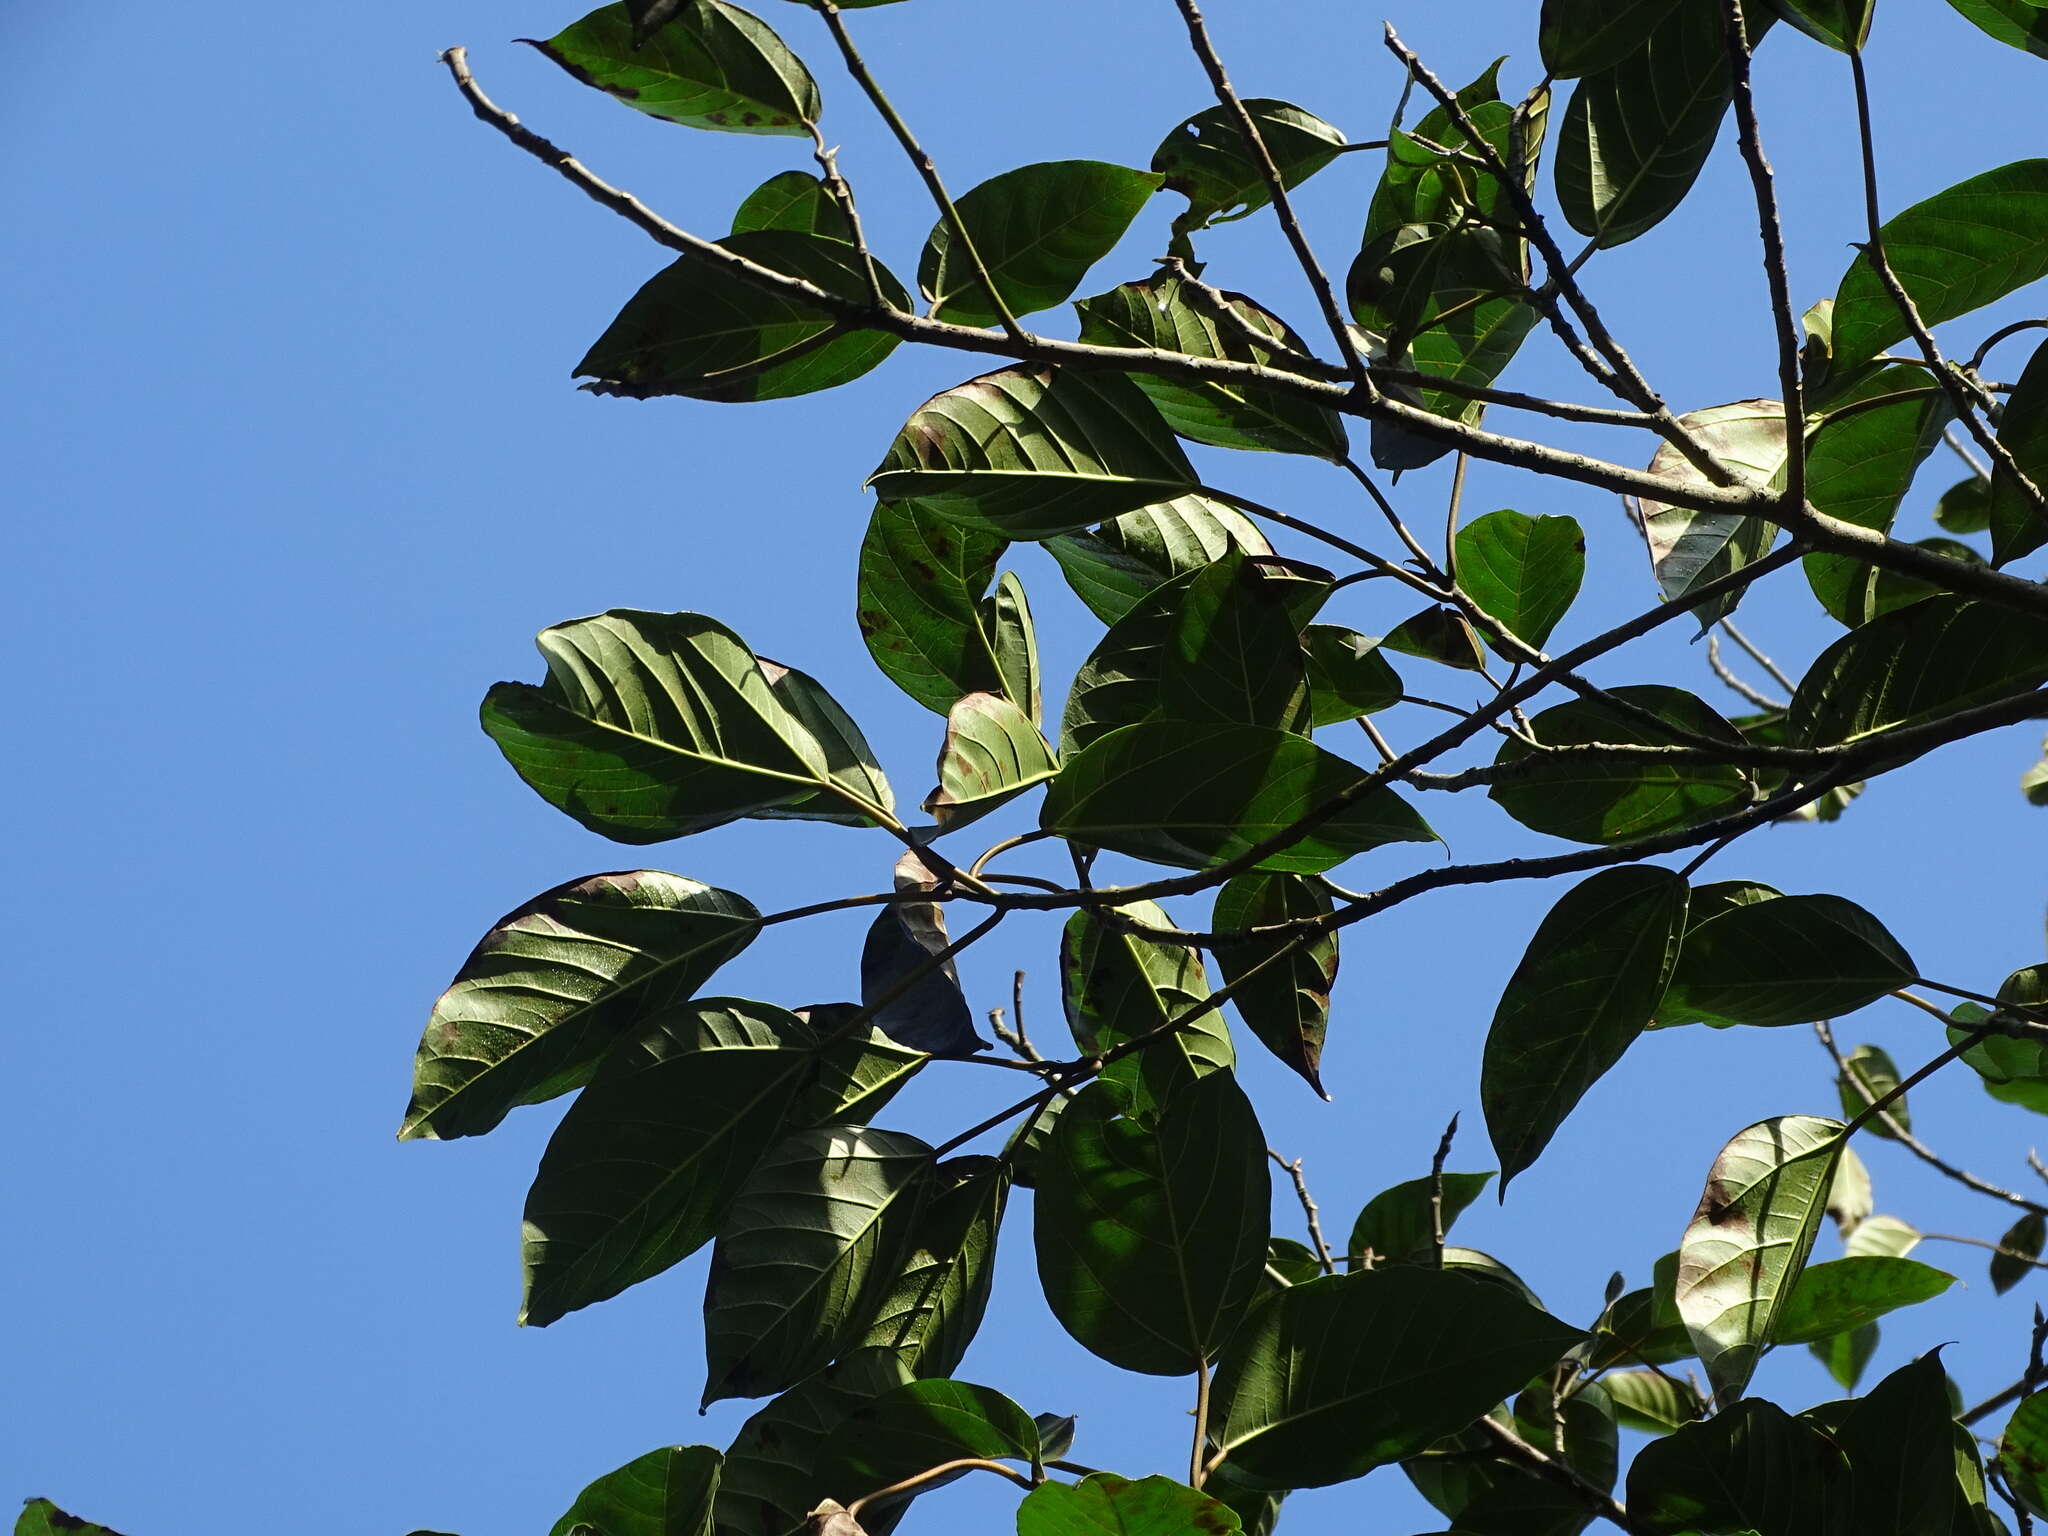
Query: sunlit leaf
point(1846, 1354)
point(1287, 1003)
point(1113, 566)
point(1579, 37)
point(1881, 1237)
point(793, 200)
point(1871, 1074)
point(940, 1294)
point(1207, 160)
point(664, 1493)
point(992, 754)
point(1689, 548)
point(39, 1517)
point(1523, 571)
point(2021, 23)
point(710, 65)
point(1651, 1401)
point(1845, 1294)
point(1788, 961)
point(2023, 1453)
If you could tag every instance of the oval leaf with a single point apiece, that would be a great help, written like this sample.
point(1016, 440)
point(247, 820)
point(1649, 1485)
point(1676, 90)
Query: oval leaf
point(1847, 1294)
point(1788, 961)
point(664, 1493)
point(710, 65)
point(1398, 1225)
point(1523, 571)
point(935, 1306)
point(1207, 160)
point(921, 583)
point(992, 754)
point(924, 1424)
point(1104, 1504)
point(1118, 987)
point(1751, 1467)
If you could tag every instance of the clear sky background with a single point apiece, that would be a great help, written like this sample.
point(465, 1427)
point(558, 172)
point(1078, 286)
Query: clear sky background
point(296, 471)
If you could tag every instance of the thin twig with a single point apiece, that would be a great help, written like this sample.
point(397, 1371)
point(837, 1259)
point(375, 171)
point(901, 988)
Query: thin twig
point(1978, 1242)
point(841, 192)
point(1732, 681)
point(1515, 1448)
point(1771, 668)
point(1309, 1210)
point(1436, 1192)
point(933, 1474)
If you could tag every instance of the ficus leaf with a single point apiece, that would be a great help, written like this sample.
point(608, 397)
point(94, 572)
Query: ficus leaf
point(2023, 1453)
point(1689, 548)
point(669, 1492)
point(1232, 652)
point(1348, 675)
point(921, 583)
point(1869, 1076)
point(992, 754)
point(2018, 527)
point(1846, 1294)
point(1398, 1225)
point(39, 1517)
point(924, 1424)
point(704, 64)
point(1846, 1354)
point(1523, 571)
point(2019, 23)
point(1788, 961)
point(940, 1294)
point(1652, 1401)
point(1117, 987)
point(1750, 1468)
point(794, 200)
point(2018, 1252)
point(1900, 1437)
point(776, 1469)
point(1006, 618)
point(1207, 160)
point(902, 940)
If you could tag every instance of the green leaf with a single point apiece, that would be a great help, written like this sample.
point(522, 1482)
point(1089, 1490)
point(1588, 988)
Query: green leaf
point(1742, 1254)
point(1461, 1476)
point(557, 981)
point(1871, 1075)
point(1954, 252)
point(1233, 651)
point(1104, 1504)
point(902, 940)
point(776, 1470)
point(924, 1424)
point(2022, 1242)
point(1348, 676)
point(1788, 961)
point(809, 1249)
point(921, 585)
point(697, 329)
point(1397, 1226)
point(1159, 314)
point(1032, 451)
point(1152, 1238)
point(1900, 1438)
point(1642, 1327)
point(992, 754)
point(858, 1072)
point(849, 761)
point(1208, 161)
point(1333, 1378)
point(643, 1169)
point(2014, 1071)
point(1652, 1402)
point(1585, 988)
point(1750, 1468)
point(1119, 684)
point(1198, 796)
point(1850, 1198)
point(1689, 548)
point(1038, 229)
point(1441, 635)
point(1881, 1236)
point(1117, 987)
point(39, 1517)
point(1915, 665)
point(1616, 801)
point(2020, 23)
point(1114, 566)
point(654, 725)
point(1025, 1149)
point(1006, 617)
point(1297, 1262)
point(940, 1294)
point(1842, 24)
point(664, 1493)
point(1637, 132)
point(1965, 507)
point(1845, 1294)
point(1846, 1354)
point(2023, 1453)
point(712, 66)
point(794, 200)
point(1581, 37)
point(1287, 1004)
point(2017, 527)
point(1523, 571)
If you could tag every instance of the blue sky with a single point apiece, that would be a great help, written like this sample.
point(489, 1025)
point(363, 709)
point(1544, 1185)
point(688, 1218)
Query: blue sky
point(298, 471)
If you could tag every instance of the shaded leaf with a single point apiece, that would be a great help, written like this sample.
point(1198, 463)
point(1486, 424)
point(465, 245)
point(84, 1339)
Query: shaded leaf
point(1152, 1239)
point(1142, 790)
point(1579, 37)
point(776, 1470)
point(1750, 1468)
point(2013, 1071)
point(1117, 987)
point(1113, 566)
point(860, 1069)
point(2021, 1244)
point(39, 1517)
point(1846, 1354)
point(1843, 25)
point(1871, 1074)
point(940, 1294)
point(557, 981)
point(1032, 451)
point(1208, 161)
point(1104, 1504)
point(1845, 1294)
point(1333, 1378)
point(992, 754)
point(1286, 1004)
point(2017, 526)
point(1348, 675)
point(1232, 652)
point(1006, 616)
point(704, 65)
point(1900, 1438)
point(1585, 988)
point(1438, 634)
point(1748, 1241)
point(2023, 1453)
point(933, 1014)
point(1038, 229)
point(1652, 1402)
point(924, 1424)
point(808, 1251)
point(1397, 1225)
point(1119, 684)
point(921, 582)
point(2020, 23)
point(1954, 252)
point(1523, 571)
point(1965, 507)
point(1642, 1327)
point(1788, 961)
point(1690, 548)
point(1296, 1262)
point(664, 1493)
point(793, 200)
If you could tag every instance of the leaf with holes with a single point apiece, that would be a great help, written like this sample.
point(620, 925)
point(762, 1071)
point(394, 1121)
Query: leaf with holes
point(705, 64)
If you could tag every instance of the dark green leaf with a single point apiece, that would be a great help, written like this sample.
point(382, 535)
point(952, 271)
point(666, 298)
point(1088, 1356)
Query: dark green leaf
point(1900, 1438)
point(1152, 1239)
point(903, 939)
point(1915, 665)
point(1348, 676)
point(1333, 1378)
point(1842, 24)
point(2023, 1453)
point(921, 581)
point(992, 754)
point(849, 761)
point(1038, 230)
point(1119, 683)
point(698, 329)
point(39, 1517)
point(1846, 1354)
point(2021, 23)
point(2018, 1251)
point(712, 66)
point(1398, 1226)
point(1615, 801)
point(642, 1170)
point(2017, 526)
point(1689, 548)
point(1957, 251)
point(793, 200)
point(809, 1249)
point(1523, 571)
point(1652, 1402)
point(776, 1470)
point(1160, 313)
point(941, 1290)
point(1118, 563)
point(859, 1071)
point(1197, 796)
point(924, 1424)
point(1748, 1241)
point(1788, 961)
point(1580, 37)
point(1233, 651)
point(1481, 1494)
point(1287, 1004)
point(1643, 1327)
point(1032, 451)
point(1117, 987)
point(1871, 1075)
point(1846, 1294)
point(654, 725)
point(1637, 132)
point(664, 1493)
point(1441, 635)
point(1965, 507)
point(1207, 160)
point(555, 983)
point(1104, 1504)
point(1297, 1262)
point(1585, 988)
point(1750, 1468)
